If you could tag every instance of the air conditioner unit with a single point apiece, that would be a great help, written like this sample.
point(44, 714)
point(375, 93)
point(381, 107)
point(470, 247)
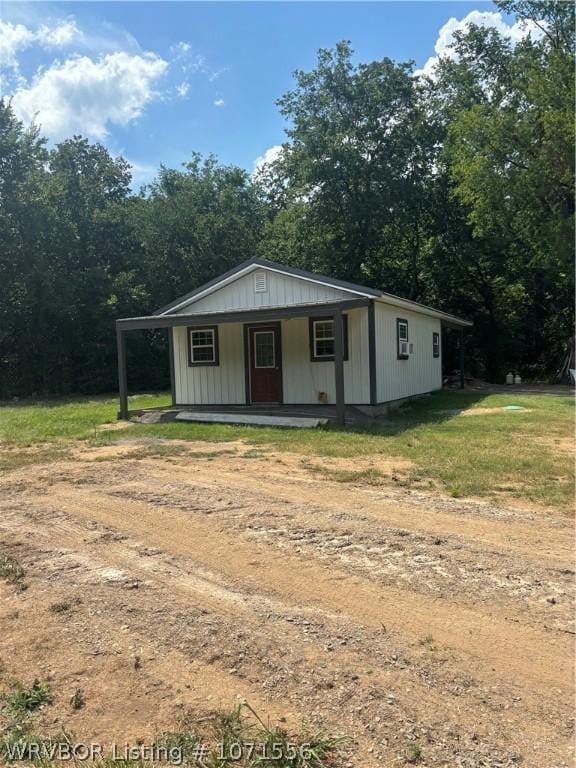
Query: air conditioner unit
point(404, 348)
point(410, 348)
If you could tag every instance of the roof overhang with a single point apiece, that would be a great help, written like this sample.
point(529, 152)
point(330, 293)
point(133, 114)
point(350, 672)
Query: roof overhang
point(250, 266)
point(450, 321)
point(265, 314)
point(352, 289)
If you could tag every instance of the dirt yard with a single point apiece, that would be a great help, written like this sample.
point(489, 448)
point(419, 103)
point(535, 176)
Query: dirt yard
point(198, 578)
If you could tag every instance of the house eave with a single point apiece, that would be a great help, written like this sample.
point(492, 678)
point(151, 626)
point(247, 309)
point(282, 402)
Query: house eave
point(251, 265)
point(263, 314)
point(353, 289)
point(450, 321)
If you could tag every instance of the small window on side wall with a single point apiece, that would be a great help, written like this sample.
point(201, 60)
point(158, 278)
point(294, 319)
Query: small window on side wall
point(322, 338)
point(402, 345)
point(203, 345)
point(436, 344)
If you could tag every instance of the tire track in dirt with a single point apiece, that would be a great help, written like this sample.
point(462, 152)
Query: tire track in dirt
point(449, 567)
point(97, 649)
point(491, 643)
point(416, 512)
point(126, 563)
point(211, 575)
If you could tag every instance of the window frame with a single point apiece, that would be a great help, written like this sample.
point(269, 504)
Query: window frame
point(435, 344)
point(312, 338)
point(255, 361)
point(400, 321)
point(215, 346)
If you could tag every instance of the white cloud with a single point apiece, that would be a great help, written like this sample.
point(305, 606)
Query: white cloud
point(64, 33)
point(271, 154)
point(216, 73)
point(101, 77)
point(16, 37)
point(488, 19)
point(182, 89)
point(13, 37)
point(85, 96)
point(142, 173)
point(181, 48)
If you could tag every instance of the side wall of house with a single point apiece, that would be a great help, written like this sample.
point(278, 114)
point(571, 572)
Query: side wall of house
point(302, 379)
point(421, 372)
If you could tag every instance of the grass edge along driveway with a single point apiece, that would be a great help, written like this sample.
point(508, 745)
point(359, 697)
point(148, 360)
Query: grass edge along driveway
point(465, 443)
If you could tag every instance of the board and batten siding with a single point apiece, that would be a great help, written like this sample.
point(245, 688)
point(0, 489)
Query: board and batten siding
point(221, 384)
point(302, 379)
point(281, 291)
point(421, 372)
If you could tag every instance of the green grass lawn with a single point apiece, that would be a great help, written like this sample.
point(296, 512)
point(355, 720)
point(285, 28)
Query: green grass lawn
point(26, 423)
point(520, 453)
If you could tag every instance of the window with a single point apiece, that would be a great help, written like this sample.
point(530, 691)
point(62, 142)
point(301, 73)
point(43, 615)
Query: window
point(402, 339)
point(435, 344)
point(322, 338)
point(264, 351)
point(203, 345)
point(260, 282)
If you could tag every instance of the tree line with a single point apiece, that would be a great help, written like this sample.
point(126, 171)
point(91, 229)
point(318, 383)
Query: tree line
point(455, 190)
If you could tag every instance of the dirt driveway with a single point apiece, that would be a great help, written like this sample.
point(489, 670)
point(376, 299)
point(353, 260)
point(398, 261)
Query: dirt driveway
point(226, 573)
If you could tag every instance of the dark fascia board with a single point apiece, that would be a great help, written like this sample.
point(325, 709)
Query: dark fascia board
point(314, 276)
point(240, 316)
point(204, 287)
point(448, 320)
point(332, 281)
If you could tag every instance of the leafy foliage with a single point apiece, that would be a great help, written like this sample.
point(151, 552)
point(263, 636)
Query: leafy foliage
point(28, 699)
point(456, 190)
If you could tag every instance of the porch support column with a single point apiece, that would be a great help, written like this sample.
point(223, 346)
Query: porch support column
point(122, 377)
point(372, 353)
point(339, 368)
point(461, 345)
point(172, 374)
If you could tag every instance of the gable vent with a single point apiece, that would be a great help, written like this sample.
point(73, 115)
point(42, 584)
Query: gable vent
point(260, 282)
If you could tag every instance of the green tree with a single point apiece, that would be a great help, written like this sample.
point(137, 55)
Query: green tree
point(509, 112)
point(353, 171)
point(195, 224)
point(25, 218)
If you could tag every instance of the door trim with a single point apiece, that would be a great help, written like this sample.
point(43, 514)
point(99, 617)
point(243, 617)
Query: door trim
point(247, 382)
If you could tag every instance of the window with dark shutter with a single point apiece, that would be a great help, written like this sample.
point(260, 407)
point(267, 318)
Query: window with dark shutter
point(203, 345)
point(322, 338)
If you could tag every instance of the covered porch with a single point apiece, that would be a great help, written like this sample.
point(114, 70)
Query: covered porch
point(323, 413)
point(266, 318)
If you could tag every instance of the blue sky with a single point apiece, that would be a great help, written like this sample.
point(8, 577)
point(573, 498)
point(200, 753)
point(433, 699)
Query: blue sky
point(156, 80)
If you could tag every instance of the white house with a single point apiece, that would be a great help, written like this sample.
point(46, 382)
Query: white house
point(264, 333)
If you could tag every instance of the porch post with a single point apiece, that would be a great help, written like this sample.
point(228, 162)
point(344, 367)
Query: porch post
point(339, 368)
point(372, 353)
point(172, 375)
point(461, 345)
point(122, 377)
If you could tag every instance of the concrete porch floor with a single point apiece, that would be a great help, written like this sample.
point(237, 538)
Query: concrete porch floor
point(160, 416)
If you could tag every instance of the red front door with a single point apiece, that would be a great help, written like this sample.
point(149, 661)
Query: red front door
point(264, 361)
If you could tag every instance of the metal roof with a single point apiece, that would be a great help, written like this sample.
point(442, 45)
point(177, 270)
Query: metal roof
point(354, 288)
